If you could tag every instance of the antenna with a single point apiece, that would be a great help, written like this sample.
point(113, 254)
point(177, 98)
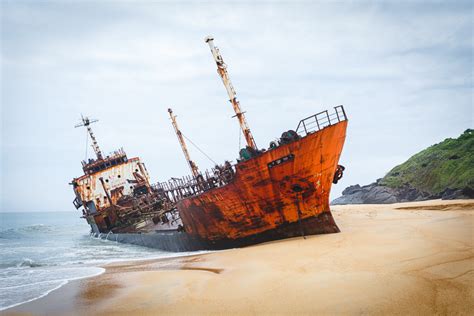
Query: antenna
point(192, 165)
point(86, 122)
point(222, 71)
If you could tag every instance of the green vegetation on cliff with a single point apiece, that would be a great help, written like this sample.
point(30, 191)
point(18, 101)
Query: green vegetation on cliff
point(449, 164)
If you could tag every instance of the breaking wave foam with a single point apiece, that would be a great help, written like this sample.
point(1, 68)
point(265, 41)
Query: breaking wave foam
point(40, 252)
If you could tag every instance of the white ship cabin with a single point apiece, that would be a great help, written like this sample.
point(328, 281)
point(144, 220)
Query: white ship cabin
point(106, 181)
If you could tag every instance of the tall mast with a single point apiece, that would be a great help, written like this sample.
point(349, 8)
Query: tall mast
point(192, 165)
point(222, 71)
point(87, 122)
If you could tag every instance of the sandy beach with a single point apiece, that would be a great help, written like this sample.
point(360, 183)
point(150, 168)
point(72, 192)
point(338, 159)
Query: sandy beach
point(406, 258)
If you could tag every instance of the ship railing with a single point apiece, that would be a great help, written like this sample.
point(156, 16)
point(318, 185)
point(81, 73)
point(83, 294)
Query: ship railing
point(113, 155)
point(96, 165)
point(177, 189)
point(318, 121)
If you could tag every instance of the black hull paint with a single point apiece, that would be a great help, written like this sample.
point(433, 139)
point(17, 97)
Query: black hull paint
point(175, 241)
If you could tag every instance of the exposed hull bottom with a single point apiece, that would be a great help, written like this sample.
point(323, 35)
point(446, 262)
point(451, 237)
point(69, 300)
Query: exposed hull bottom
point(175, 241)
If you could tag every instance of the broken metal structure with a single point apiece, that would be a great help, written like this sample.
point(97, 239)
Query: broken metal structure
point(115, 193)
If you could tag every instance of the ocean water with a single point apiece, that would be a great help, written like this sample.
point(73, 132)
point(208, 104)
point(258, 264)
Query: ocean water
point(42, 251)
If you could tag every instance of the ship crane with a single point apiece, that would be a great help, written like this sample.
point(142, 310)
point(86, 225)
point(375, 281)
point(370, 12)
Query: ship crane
point(86, 122)
point(222, 71)
point(192, 165)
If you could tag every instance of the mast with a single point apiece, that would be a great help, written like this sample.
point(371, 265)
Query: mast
point(192, 165)
point(222, 71)
point(87, 122)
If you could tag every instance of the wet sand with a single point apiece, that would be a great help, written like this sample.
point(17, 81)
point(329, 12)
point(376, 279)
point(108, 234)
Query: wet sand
point(407, 258)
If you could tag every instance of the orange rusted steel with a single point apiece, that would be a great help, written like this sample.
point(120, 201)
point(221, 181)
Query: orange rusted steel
point(192, 165)
point(222, 71)
point(264, 192)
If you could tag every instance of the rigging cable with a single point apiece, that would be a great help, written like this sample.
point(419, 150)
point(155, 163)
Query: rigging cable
point(202, 152)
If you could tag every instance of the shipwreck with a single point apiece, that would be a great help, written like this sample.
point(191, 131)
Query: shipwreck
point(270, 193)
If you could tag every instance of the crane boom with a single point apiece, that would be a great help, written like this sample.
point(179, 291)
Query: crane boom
point(222, 71)
point(192, 165)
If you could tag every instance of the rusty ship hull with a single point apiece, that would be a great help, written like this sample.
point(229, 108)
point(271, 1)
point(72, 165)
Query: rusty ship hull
point(286, 185)
point(281, 193)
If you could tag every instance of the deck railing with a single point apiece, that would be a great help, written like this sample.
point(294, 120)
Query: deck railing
point(179, 188)
point(321, 120)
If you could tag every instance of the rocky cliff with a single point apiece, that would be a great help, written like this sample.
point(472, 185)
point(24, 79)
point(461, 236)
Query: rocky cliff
point(444, 170)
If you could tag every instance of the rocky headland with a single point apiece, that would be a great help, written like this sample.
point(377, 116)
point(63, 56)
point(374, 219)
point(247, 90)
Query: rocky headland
point(442, 171)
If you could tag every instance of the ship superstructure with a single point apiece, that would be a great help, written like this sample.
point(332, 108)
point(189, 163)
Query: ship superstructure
point(115, 192)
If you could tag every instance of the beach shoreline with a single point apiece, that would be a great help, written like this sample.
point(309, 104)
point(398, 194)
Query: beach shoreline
point(404, 258)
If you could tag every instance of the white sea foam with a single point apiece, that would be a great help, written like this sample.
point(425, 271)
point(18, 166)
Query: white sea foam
point(40, 252)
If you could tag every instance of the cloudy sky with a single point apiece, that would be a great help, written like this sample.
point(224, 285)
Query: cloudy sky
point(402, 69)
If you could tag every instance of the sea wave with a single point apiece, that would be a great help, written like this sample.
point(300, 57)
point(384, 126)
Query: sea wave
point(22, 263)
point(27, 262)
point(27, 231)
